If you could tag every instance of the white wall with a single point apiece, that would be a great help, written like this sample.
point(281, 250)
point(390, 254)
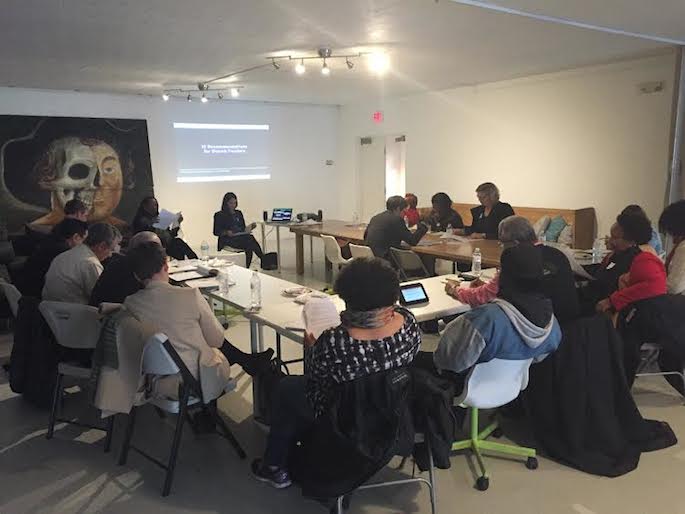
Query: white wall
point(581, 138)
point(303, 138)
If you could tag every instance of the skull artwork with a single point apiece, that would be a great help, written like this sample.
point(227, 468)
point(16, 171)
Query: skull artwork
point(86, 169)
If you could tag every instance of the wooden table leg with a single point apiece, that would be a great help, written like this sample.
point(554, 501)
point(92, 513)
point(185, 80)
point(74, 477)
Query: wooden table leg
point(299, 254)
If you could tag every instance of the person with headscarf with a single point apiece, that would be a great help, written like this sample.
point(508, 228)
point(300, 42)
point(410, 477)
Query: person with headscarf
point(517, 325)
point(375, 335)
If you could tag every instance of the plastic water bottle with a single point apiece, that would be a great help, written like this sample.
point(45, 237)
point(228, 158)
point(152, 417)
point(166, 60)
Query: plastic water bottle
point(256, 292)
point(449, 229)
point(224, 281)
point(597, 251)
point(476, 260)
point(204, 251)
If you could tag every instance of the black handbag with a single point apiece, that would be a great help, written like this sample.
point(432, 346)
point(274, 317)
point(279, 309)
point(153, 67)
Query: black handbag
point(264, 386)
point(270, 261)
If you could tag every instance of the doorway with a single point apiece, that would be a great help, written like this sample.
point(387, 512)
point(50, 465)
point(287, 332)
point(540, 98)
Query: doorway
point(382, 173)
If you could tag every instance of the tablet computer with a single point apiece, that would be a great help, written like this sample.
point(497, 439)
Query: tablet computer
point(412, 294)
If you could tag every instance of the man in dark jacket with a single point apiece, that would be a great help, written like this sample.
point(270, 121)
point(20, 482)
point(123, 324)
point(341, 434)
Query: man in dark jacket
point(117, 280)
point(67, 234)
point(387, 229)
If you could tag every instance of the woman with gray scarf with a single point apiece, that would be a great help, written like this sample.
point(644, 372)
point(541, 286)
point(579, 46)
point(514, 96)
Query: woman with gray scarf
point(375, 335)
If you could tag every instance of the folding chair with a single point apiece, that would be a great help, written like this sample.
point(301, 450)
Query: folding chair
point(160, 358)
point(650, 355)
point(13, 295)
point(74, 326)
point(342, 502)
point(490, 385)
point(409, 264)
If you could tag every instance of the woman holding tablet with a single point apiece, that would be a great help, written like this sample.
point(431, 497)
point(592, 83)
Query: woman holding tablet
point(230, 228)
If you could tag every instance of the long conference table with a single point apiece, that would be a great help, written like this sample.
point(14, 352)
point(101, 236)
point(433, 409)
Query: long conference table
point(430, 244)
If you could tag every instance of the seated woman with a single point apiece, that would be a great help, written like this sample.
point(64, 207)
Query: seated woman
point(230, 229)
point(646, 277)
point(558, 283)
point(623, 249)
point(147, 215)
point(488, 215)
point(443, 214)
point(519, 324)
point(411, 213)
point(672, 222)
point(375, 335)
point(655, 240)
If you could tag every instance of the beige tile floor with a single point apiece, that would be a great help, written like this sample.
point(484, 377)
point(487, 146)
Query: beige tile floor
point(71, 474)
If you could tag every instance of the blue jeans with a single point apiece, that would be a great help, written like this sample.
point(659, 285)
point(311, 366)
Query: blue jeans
point(291, 416)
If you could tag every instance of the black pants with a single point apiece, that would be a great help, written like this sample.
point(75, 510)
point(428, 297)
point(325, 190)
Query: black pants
point(291, 416)
point(245, 242)
point(178, 249)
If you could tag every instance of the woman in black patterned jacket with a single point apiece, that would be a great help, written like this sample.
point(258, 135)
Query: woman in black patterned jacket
point(375, 335)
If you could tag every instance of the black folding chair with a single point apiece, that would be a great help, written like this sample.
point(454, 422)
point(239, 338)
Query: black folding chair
point(160, 358)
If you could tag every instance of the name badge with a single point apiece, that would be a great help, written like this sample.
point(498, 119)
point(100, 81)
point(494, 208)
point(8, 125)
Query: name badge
point(611, 265)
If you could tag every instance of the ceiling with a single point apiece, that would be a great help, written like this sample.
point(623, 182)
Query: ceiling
point(143, 46)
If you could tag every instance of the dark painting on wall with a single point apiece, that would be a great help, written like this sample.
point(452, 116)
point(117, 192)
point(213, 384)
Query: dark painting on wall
point(47, 161)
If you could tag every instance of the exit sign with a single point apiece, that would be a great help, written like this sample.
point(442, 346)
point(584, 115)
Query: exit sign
point(378, 117)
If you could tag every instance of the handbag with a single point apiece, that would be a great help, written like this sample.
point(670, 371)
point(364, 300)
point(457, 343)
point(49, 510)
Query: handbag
point(270, 261)
point(264, 386)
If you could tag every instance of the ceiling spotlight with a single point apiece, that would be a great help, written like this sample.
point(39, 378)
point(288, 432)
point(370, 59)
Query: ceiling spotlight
point(299, 67)
point(165, 97)
point(220, 95)
point(189, 97)
point(325, 70)
point(235, 92)
point(204, 99)
point(275, 64)
point(349, 63)
point(378, 63)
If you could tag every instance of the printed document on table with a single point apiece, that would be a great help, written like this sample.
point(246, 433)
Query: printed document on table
point(186, 275)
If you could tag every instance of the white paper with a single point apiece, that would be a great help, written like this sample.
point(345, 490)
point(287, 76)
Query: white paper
point(180, 269)
point(167, 219)
point(319, 314)
point(460, 239)
point(186, 275)
point(204, 283)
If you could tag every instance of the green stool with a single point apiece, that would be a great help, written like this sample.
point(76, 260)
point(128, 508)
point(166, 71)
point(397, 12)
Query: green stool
point(488, 386)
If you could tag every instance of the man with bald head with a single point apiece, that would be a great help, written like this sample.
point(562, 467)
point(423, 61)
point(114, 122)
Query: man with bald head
point(117, 281)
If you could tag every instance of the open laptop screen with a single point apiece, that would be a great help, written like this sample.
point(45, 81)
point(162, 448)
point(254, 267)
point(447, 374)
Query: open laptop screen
point(281, 214)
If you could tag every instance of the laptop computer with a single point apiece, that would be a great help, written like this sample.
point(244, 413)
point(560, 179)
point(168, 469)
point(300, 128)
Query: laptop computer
point(282, 215)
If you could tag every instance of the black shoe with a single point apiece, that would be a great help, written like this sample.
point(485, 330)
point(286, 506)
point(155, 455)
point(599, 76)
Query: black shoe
point(278, 478)
point(257, 363)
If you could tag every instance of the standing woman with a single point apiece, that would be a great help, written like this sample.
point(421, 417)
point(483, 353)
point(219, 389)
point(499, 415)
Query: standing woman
point(230, 228)
point(487, 216)
point(146, 217)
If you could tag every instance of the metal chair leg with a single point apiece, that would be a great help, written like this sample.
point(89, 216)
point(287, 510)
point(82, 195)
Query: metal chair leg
point(431, 478)
point(109, 429)
point(171, 466)
point(55, 406)
point(128, 434)
point(227, 432)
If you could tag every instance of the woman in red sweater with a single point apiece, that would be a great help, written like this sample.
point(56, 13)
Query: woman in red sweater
point(647, 275)
point(411, 213)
